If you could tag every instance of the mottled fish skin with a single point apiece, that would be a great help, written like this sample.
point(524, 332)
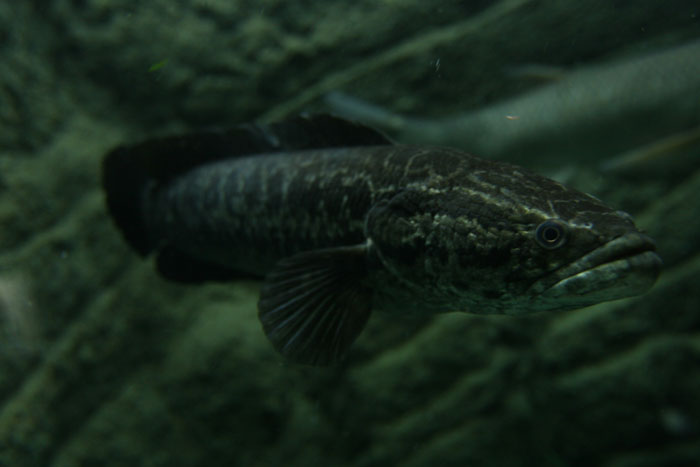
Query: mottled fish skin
point(249, 213)
point(340, 231)
point(447, 231)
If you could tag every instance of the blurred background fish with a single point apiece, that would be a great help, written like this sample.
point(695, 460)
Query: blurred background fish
point(586, 116)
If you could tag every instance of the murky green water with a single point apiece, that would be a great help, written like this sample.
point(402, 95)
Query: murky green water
point(103, 362)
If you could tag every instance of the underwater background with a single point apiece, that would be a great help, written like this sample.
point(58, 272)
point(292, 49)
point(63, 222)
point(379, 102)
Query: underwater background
point(102, 362)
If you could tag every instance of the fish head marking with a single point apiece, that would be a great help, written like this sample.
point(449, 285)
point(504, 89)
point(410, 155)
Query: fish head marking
point(549, 248)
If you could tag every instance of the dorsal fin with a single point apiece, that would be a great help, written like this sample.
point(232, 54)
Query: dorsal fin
point(321, 131)
point(162, 159)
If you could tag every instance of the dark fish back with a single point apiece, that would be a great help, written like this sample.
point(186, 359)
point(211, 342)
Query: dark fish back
point(137, 176)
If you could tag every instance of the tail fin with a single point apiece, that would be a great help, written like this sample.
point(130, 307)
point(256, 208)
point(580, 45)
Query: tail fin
point(124, 183)
point(128, 171)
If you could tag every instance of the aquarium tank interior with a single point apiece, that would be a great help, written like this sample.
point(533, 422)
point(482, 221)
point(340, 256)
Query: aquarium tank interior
point(329, 233)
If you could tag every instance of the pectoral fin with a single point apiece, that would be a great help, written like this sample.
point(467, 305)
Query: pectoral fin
point(313, 305)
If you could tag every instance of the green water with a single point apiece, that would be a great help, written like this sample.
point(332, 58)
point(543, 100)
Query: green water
point(102, 362)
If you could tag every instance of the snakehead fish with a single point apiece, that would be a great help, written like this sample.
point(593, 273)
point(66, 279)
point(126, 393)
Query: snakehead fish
point(339, 221)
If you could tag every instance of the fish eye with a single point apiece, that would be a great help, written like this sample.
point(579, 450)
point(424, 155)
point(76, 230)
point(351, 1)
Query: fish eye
point(551, 234)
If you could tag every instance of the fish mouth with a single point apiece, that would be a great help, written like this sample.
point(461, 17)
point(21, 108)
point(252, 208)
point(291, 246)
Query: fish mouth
point(624, 267)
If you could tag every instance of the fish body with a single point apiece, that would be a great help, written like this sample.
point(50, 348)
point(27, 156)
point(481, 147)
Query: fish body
point(339, 221)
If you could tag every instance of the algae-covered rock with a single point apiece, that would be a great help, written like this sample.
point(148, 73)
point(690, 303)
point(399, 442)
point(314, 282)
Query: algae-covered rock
point(32, 99)
point(102, 362)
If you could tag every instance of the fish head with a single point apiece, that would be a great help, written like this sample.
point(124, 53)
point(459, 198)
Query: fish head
point(569, 262)
point(534, 246)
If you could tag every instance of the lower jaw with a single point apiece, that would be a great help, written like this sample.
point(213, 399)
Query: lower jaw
point(617, 279)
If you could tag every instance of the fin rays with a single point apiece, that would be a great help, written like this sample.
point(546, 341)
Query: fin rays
point(314, 305)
